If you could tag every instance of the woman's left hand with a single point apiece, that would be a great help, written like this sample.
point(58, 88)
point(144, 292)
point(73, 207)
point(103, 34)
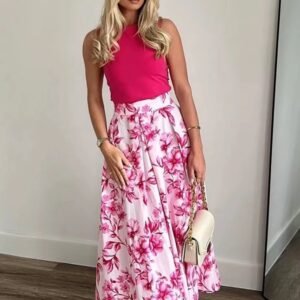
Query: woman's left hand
point(196, 166)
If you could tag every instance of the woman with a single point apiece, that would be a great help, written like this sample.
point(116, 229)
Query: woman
point(152, 151)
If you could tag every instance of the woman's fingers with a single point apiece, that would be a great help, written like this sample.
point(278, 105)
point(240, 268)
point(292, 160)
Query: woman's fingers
point(124, 176)
point(122, 170)
point(198, 175)
point(191, 173)
point(115, 177)
point(116, 162)
point(195, 174)
point(126, 161)
point(114, 174)
point(119, 176)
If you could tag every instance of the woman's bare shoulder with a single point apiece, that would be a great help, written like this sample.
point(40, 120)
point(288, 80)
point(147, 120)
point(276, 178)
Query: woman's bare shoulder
point(168, 25)
point(93, 33)
point(88, 41)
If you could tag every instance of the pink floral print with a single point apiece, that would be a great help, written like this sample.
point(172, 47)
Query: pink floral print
point(142, 225)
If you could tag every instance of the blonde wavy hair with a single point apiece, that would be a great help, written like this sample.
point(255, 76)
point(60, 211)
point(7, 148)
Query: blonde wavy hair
point(112, 23)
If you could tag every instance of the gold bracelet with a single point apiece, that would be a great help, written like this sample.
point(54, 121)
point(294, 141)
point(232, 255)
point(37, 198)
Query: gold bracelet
point(196, 126)
point(100, 140)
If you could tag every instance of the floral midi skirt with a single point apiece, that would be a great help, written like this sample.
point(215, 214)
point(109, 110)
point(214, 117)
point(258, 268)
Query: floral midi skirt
point(142, 225)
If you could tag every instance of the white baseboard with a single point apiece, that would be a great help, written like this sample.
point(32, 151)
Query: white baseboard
point(233, 273)
point(78, 252)
point(282, 239)
point(240, 274)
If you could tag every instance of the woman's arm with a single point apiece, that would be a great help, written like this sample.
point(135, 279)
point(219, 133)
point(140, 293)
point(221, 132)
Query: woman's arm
point(179, 76)
point(94, 81)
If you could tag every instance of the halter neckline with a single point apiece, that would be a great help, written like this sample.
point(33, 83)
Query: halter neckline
point(131, 25)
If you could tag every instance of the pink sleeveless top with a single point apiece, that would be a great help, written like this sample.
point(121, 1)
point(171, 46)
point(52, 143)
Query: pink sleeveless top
point(135, 74)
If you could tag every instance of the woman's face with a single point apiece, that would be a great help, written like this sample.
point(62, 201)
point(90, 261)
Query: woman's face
point(131, 4)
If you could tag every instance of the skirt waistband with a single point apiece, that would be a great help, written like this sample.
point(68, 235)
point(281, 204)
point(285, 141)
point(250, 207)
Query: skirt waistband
point(145, 105)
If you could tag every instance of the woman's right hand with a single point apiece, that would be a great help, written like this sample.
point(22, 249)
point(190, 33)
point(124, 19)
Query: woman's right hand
point(115, 158)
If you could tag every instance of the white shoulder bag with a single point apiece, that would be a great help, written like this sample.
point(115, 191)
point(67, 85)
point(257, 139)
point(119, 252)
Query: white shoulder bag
point(200, 230)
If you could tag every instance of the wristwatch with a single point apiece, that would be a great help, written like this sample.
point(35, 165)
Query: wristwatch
point(101, 140)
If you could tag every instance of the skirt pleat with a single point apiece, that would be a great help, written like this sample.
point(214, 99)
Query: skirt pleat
point(142, 225)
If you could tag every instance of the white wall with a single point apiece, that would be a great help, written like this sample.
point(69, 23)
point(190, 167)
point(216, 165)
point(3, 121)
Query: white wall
point(284, 218)
point(50, 166)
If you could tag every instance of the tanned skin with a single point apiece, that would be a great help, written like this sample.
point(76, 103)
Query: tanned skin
point(178, 72)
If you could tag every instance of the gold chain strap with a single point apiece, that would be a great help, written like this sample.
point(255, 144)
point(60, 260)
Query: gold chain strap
point(192, 214)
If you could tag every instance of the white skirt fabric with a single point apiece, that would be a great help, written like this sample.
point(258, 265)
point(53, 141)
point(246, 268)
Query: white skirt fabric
point(142, 225)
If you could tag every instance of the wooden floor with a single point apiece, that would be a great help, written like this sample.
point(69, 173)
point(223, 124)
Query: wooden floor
point(283, 280)
point(24, 278)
